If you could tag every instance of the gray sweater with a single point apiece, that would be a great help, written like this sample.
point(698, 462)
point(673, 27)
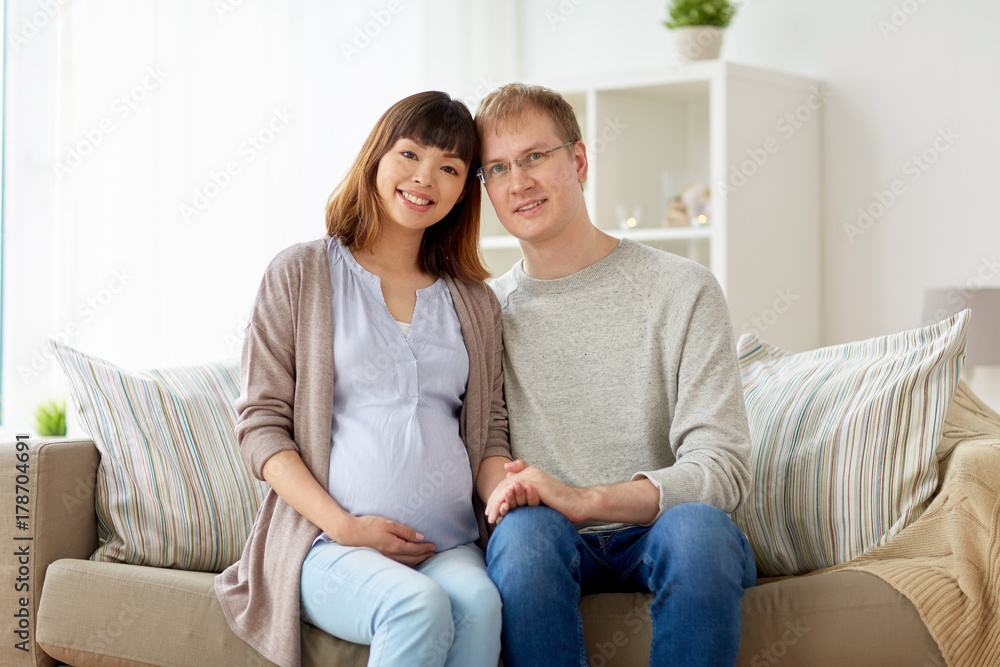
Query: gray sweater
point(627, 369)
point(286, 402)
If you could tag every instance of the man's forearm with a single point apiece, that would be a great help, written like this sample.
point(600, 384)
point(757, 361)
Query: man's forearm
point(635, 502)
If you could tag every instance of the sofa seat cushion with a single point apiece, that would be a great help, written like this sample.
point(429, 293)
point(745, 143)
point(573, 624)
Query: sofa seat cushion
point(828, 619)
point(832, 619)
point(112, 614)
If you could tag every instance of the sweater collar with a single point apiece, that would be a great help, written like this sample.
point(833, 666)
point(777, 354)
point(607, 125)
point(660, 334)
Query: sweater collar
point(600, 269)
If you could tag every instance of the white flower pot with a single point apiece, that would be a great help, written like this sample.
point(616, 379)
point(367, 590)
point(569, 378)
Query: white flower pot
point(697, 42)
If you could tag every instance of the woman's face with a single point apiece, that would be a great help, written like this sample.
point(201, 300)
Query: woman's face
point(419, 184)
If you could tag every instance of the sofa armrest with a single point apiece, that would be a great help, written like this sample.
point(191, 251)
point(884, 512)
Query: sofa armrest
point(47, 499)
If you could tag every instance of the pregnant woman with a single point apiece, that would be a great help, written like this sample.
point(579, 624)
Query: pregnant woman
point(372, 403)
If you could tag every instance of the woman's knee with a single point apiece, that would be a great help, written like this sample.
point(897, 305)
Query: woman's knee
point(478, 601)
point(476, 593)
point(423, 598)
point(417, 615)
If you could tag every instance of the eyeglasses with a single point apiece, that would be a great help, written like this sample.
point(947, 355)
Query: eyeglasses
point(493, 173)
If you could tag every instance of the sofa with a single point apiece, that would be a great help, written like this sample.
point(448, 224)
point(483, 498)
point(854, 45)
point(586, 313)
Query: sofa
point(62, 608)
point(873, 512)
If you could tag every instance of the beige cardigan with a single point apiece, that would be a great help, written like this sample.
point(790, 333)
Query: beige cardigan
point(286, 402)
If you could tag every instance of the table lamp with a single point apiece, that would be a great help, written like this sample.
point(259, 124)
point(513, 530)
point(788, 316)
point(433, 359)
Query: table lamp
point(982, 347)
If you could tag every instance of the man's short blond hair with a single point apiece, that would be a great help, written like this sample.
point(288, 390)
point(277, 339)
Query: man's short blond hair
point(504, 107)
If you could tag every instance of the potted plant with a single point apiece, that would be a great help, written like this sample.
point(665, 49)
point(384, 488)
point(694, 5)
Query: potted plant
point(698, 26)
point(50, 418)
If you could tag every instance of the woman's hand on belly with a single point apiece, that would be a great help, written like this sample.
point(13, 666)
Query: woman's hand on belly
point(391, 539)
point(289, 477)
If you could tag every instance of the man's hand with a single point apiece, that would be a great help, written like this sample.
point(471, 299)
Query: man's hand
point(392, 540)
point(637, 501)
point(526, 485)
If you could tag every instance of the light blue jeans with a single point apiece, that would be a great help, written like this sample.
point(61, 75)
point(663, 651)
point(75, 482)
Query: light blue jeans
point(446, 611)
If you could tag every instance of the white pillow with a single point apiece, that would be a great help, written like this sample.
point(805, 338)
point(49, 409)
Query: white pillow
point(844, 440)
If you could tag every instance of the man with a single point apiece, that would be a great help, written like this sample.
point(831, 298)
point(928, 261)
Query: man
point(626, 413)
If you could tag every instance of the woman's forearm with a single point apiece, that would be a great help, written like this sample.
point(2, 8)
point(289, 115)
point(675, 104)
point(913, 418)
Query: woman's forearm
point(491, 473)
point(288, 476)
point(290, 479)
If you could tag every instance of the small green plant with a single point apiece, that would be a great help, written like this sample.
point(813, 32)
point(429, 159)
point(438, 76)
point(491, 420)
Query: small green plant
point(688, 13)
point(50, 418)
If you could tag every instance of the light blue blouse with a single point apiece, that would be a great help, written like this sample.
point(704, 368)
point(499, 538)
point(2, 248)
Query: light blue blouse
point(396, 450)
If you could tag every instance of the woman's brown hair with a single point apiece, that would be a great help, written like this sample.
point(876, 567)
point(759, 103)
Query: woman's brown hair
point(354, 211)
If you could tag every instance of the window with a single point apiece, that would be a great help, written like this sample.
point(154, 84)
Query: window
point(3, 131)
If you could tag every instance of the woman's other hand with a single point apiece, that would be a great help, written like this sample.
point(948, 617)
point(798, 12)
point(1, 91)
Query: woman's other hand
point(393, 540)
point(289, 477)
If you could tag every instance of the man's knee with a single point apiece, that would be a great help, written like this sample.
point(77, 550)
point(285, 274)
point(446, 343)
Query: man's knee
point(532, 530)
point(531, 537)
point(696, 530)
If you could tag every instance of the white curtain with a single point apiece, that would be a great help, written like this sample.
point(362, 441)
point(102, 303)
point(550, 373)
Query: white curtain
point(160, 152)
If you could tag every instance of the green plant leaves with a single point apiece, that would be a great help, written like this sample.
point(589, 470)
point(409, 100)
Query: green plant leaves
point(50, 418)
point(686, 13)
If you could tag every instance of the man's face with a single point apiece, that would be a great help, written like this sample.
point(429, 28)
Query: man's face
point(539, 203)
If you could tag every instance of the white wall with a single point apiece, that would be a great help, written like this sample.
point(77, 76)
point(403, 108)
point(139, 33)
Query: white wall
point(103, 253)
point(903, 73)
point(190, 282)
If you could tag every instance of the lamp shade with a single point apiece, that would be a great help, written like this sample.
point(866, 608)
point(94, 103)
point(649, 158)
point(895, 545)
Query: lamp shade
point(983, 345)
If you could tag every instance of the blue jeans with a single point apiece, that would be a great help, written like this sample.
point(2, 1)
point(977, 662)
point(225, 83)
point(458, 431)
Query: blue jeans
point(445, 611)
point(693, 559)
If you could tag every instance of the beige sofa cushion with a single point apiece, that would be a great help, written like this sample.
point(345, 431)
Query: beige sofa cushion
point(150, 616)
point(109, 614)
point(833, 619)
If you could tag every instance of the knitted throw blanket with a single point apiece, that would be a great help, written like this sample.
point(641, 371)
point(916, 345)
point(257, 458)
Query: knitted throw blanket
point(948, 561)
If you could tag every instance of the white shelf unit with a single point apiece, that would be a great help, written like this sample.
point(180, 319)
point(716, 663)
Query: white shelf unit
point(649, 134)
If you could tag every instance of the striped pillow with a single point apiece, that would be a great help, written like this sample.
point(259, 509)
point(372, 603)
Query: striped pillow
point(843, 442)
point(172, 490)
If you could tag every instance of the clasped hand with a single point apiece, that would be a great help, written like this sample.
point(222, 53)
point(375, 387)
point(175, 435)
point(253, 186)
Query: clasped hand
point(529, 486)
